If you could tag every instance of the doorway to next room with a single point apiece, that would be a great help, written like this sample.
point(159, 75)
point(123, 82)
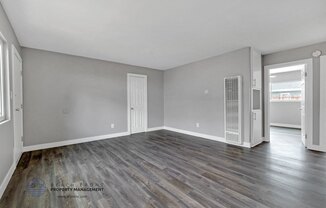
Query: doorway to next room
point(287, 107)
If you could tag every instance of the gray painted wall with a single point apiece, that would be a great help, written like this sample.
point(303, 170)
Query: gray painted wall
point(68, 97)
point(6, 129)
point(185, 102)
point(299, 54)
point(285, 113)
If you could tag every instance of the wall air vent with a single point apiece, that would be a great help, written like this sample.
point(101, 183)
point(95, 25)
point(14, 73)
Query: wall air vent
point(232, 109)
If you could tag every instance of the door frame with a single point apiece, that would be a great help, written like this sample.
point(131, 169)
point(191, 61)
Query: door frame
point(128, 101)
point(19, 146)
point(322, 120)
point(308, 98)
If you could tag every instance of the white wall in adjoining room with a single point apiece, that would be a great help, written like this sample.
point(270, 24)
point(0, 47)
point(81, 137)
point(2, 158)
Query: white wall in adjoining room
point(286, 113)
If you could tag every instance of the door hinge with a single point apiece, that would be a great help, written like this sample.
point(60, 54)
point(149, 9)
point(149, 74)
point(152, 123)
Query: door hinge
point(306, 74)
point(305, 136)
point(22, 106)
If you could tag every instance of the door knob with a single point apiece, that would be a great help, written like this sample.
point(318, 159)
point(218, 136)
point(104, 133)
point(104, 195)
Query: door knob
point(17, 109)
point(131, 108)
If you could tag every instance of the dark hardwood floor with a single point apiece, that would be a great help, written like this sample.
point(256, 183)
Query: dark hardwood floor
point(167, 169)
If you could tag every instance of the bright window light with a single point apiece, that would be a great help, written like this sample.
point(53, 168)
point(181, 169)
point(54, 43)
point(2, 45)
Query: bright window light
point(287, 69)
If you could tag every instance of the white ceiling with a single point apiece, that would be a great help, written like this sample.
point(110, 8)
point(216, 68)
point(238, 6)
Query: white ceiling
point(162, 34)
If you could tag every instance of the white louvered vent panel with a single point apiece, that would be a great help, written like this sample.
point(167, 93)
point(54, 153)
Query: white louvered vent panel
point(232, 105)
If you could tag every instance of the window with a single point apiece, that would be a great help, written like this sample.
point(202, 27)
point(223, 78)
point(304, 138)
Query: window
point(2, 79)
point(286, 91)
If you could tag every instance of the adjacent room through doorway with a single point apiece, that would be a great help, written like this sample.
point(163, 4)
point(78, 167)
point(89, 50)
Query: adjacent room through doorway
point(287, 106)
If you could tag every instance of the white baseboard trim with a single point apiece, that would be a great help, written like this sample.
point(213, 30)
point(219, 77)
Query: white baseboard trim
point(6, 180)
point(266, 139)
point(246, 144)
point(286, 125)
point(108, 136)
point(155, 128)
point(257, 143)
point(205, 136)
point(317, 148)
point(73, 141)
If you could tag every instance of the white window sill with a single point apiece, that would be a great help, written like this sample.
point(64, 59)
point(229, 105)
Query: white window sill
point(4, 121)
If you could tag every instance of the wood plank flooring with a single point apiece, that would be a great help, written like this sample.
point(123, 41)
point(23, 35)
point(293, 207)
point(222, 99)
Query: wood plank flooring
point(167, 169)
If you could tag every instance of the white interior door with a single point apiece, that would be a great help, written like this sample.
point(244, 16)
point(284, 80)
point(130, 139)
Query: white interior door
point(18, 103)
point(303, 106)
point(137, 96)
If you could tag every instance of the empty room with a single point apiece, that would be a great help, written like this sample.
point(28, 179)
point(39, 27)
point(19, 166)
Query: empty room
point(185, 103)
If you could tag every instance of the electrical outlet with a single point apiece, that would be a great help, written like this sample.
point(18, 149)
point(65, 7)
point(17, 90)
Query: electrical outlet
point(197, 125)
point(112, 125)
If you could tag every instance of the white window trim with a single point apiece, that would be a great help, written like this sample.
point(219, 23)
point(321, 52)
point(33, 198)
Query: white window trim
point(5, 86)
point(2, 112)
